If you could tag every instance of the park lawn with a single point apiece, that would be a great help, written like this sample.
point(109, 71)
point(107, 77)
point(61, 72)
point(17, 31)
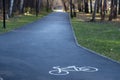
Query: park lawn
point(101, 37)
point(19, 21)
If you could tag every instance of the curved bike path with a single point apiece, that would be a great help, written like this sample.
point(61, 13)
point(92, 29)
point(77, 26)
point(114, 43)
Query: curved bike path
point(30, 52)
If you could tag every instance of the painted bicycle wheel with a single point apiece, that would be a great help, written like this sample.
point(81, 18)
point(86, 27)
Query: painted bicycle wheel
point(88, 69)
point(56, 72)
point(1, 78)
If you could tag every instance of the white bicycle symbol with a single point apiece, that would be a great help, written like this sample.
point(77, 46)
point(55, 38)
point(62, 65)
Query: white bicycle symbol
point(65, 71)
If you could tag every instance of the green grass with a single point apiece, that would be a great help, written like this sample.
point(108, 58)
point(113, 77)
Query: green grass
point(17, 22)
point(104, 38)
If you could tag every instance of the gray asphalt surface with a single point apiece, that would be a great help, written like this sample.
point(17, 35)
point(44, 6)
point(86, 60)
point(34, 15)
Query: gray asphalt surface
point(31, 52)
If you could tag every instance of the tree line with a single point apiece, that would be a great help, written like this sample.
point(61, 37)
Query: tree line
point(13, 7)
point(110, 8)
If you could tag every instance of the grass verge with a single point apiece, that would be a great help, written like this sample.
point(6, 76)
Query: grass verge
point(102, 37)
point(18, 21)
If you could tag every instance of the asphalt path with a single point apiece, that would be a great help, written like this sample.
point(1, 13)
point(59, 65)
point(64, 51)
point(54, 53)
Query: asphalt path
point(47, 50)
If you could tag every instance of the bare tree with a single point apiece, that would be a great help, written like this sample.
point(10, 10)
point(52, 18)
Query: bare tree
point(79, 5)
point(51, 4)
point(71, 11)
point(115, 9)
point(111, 11)
point(103, 10)
point(119, 7)
point(95, 9)
point(86, 6)
point(91, 6)
point(11, 7)
point(64, 4)
point(47, 6)
point(21, 6)
point(16, 7)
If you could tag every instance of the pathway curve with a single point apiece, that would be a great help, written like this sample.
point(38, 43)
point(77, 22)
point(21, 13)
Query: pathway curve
point(33, 52)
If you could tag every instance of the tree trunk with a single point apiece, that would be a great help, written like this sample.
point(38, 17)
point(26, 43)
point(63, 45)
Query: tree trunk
point(111, 11)
point(4, 21)
point(98, 6)
point(21, 6)
point(115, 9)
point(71, 12)
point(52, 2)
point(82, 5)
point(79, 5)
point(0, 4)
point(86, 6)
point(95, 9)
point(104, 8)
point(119, 7)
point(74, 10)
point(101, 9)
point(47, 6)
point(37, 7)
point(91, 6)
point(65, 7)
point(11, 8)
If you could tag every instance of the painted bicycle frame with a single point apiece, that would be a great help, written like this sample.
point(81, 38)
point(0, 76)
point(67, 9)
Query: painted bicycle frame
point(65, 70)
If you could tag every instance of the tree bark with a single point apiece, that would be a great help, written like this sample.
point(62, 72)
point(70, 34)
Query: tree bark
point(74, 10)
point(11, 8)
point(115, 9)
point(91, 6)
point(98, 6)
point(119, 7)
point(47, 6)
point(4, 21)
point(95, 10)
point(101, 9)
point(37, 7)
point(86, 6)
point(71, 11)
point(65, 7)
point(1, 4)
point(104, 9)
point(21, 6)
point(82, 5)
point(111, 10)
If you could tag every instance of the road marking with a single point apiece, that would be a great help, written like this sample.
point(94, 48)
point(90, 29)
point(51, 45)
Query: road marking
point(57, 70)
point(1, 78)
